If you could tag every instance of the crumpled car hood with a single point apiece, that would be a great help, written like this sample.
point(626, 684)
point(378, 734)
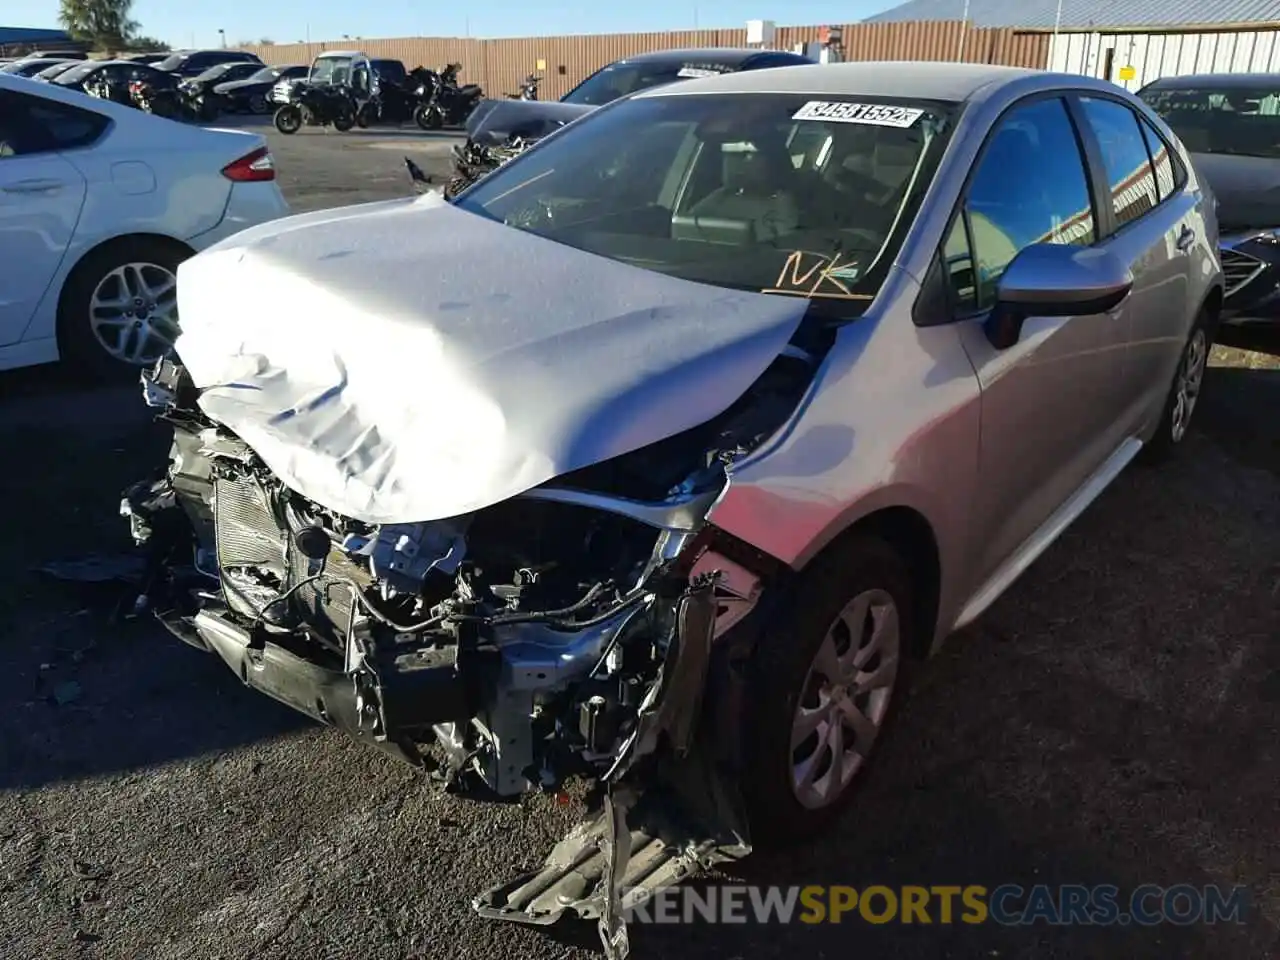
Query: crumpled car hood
point(493, 121)
point(408, 361)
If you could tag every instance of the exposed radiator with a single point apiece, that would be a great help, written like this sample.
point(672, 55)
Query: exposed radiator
point(249, 535)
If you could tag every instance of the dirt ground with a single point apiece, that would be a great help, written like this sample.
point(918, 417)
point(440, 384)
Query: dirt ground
point(1113, 719)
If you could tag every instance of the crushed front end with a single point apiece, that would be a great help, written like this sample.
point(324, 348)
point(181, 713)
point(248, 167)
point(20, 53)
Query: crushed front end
point(566, 632)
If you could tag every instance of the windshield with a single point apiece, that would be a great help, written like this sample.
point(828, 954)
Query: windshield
point(776, 193)
point(173, 61)
point(1234, 120)
point(265, 73)
point(619, 79)
point(331, 70)
point(77, 73)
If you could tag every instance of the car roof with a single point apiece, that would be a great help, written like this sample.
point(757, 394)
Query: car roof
point(954, 82)
point(339, 53)
point(1219, 81)
point(718, 56)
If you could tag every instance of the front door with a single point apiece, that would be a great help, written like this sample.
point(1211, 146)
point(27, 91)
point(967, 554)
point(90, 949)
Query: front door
point(1049, 402)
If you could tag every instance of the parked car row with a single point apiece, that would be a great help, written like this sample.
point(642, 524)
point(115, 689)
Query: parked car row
point(182, 84)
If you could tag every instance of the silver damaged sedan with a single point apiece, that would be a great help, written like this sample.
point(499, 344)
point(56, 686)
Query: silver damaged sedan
point(657, 458)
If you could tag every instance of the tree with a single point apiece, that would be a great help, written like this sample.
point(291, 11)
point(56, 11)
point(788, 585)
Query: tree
point(104, 23)
point(147, 45)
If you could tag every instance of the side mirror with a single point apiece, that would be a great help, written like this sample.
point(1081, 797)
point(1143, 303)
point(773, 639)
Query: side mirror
point(1055, 280)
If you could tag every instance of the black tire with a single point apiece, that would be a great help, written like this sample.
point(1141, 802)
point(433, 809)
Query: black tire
point(77, 343)
point(288, 119)
point(1168, 436)
point(258, 105)
point(428, 118)
point(364, 116)
point(780, 678)
point(345, 120)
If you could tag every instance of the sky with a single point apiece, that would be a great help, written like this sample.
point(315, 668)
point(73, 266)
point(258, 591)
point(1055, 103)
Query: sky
point(195, 23)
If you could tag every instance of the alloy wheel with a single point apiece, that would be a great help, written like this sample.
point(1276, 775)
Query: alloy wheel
point(845, 698)
point(133, 312)
point(1188, 383)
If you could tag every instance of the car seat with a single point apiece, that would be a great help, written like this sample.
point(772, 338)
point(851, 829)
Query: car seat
point(754, 201)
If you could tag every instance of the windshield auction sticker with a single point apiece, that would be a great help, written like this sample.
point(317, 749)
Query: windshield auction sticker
point(873, 114)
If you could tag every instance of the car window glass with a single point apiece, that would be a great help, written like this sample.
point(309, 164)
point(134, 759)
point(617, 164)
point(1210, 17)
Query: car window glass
point(1124, 155)
point(1166, 175)
point(66, 127)
point(1029, 187)
point(1241, 119)
point(958, 261)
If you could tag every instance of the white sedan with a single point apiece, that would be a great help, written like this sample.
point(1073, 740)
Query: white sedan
point(99, 203)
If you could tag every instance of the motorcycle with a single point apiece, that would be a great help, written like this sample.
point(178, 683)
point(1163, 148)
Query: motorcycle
point(105, 88)
point(472, 161)
point(176, 104)
point(317, 106)
point(442, 102)
point(528, 89)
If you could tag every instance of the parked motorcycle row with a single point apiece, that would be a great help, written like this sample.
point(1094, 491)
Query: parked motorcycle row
point(364, 93)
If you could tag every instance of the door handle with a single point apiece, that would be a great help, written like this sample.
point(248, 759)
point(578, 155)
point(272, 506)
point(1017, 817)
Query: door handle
point(33, 186)
point(1185, 239)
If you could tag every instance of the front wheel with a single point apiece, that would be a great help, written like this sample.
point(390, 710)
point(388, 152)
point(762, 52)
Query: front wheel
point(258, 105)
point(118, 311)
point(365, 116)
point(288, 118)
point(428, 117)
point(821, 688)
point(345, 120)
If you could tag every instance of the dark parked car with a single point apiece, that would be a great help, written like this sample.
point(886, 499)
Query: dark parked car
point(30, 67)
point(249, 94)
point(117, 73)
point(192, 63)
point(1230, 124)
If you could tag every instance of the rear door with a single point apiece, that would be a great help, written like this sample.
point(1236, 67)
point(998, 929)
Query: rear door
point(1157, 227)
point(41, 196)
point(1050, 401)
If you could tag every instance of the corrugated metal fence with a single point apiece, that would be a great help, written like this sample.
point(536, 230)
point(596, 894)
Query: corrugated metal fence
point(499, 65)
point(1156, 55)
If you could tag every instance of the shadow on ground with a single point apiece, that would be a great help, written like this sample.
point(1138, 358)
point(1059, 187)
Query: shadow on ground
point(85, 695)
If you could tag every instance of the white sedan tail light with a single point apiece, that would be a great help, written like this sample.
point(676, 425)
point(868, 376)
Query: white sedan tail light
point(251, 167)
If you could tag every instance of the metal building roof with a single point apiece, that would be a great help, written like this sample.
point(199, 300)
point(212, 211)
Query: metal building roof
point(10, 35)
point(1086, 14)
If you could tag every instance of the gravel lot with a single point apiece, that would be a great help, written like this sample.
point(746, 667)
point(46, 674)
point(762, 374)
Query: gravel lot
point(1113, 719)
